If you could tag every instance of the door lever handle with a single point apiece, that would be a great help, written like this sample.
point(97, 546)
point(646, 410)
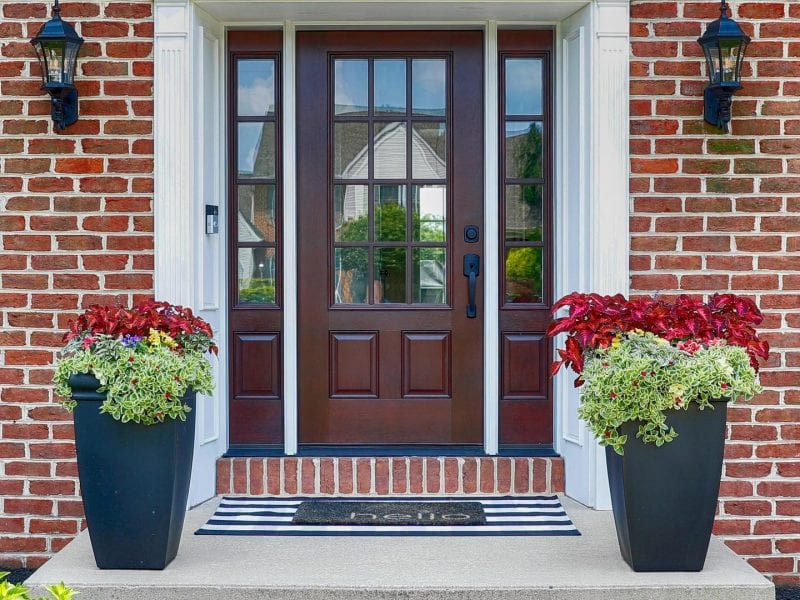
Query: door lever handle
point(472, 268)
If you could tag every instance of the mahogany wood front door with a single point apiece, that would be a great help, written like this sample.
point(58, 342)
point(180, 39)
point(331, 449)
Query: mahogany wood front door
point(390, 202)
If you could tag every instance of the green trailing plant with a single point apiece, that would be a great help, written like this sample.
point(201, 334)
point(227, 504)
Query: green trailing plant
point(17, 591)
point(146, 359)
point(640, 378)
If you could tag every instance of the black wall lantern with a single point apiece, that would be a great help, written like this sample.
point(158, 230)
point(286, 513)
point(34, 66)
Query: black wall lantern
point(724, 44)
point(57, 46)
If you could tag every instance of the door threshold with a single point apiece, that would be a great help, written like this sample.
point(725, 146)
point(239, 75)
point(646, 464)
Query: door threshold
point(313, 450)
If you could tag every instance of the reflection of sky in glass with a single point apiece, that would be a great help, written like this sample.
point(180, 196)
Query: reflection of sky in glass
point(428, 86)
point(515, 128)
point(523, 86)
point(256, 92)
point(352, 83)
point(390, 86)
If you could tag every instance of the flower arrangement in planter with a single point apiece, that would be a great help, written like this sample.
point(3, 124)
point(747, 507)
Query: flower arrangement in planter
point(655, 378)
point(131, 376)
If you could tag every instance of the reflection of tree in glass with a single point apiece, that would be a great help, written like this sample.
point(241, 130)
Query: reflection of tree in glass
point(390, 263)
point(524, 275)
point(259, 291)
point(257, 276)
point(527, 153)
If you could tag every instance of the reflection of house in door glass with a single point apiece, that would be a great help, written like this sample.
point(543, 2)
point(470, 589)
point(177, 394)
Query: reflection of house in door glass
point(390, 219)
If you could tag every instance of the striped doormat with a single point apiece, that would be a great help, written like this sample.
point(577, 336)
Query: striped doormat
point(505, 516)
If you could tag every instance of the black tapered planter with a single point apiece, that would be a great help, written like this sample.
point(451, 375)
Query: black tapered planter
point(134, 481)
point(664, 499)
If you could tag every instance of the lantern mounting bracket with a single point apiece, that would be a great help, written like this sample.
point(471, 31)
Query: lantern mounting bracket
point(717, 105)
point(64, 105)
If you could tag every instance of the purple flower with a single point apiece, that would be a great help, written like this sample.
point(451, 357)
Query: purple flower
point(131, 340)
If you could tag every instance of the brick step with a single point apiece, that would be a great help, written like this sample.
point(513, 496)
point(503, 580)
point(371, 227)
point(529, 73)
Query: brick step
point(344, 476)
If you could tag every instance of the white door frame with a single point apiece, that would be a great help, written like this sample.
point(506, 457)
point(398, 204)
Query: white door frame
point(188, 262)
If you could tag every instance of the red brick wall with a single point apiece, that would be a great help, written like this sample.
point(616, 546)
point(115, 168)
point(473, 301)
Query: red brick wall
point(709, 212)
point(75, 228)
point(717, 212)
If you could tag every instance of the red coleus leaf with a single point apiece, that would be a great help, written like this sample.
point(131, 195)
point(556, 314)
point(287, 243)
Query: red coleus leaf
point(594, 320)
point(139, 320)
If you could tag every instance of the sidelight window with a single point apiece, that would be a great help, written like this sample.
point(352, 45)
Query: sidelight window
point(524, 179)
point(255, 180)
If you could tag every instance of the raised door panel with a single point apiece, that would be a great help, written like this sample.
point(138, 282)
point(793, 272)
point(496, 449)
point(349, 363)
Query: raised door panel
point(257, 360)
point(354, 364)
point(426, 364)
point(523, 376)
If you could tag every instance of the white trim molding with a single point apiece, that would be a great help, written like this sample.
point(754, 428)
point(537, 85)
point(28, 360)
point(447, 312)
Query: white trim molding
point(289, 228)
point(610, 239)
point(491, 244)
point(174, 139)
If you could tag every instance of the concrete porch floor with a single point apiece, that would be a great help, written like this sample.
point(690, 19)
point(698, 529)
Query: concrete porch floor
point(394, 568)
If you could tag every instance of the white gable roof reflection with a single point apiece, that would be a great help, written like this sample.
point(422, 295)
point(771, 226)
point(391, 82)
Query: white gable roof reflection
point(389, 153)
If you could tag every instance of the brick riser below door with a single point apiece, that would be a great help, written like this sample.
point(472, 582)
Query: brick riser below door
point(378, 476)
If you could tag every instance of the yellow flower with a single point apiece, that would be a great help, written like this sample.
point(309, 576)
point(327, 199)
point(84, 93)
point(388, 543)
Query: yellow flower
point(168, 341)
point(154, 338)
point(639, 331)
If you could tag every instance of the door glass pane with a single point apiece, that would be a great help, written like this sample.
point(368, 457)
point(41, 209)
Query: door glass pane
point(256, 150)
point(255, 92)
point(390, 150)
point(390, 275)
point(523, 150)
point(256, 213)
point(390, 87)
point(390, 213)
point(351, 275)
point(430, 276)
point(523, 213)
point(351, 213)
point(430, 212)
point(351, 83)
point(523, 275)
point(429, 151)
point(428, 87)
point(523, 81)
point(351, 151)
point(257, 269)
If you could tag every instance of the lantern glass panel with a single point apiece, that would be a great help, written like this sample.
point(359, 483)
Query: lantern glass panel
point(42, 67)
point(70, 57)
point(54, 61)
point(729, 59)
point(711, 51)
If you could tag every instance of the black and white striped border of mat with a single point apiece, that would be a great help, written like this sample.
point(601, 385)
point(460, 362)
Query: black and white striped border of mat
point(505, 516)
